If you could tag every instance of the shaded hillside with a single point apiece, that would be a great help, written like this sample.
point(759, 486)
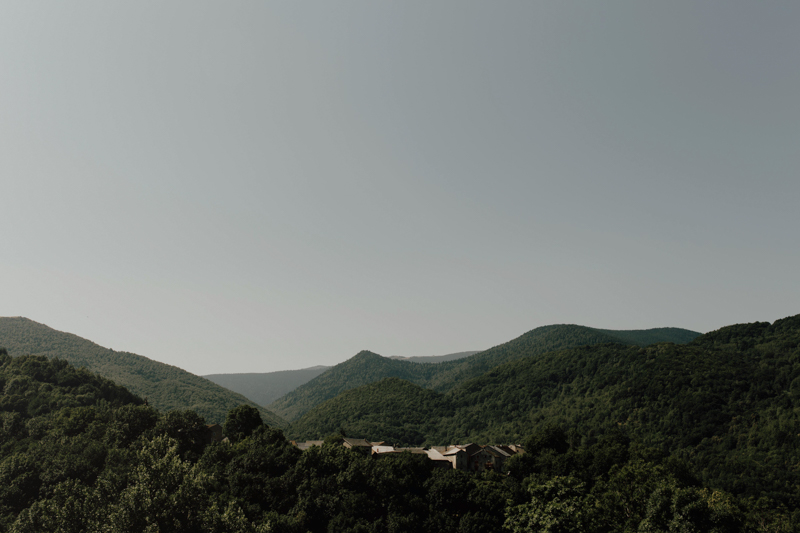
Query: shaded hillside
point(646, 337)
point(264, 388)
point(367, 367)
point(436, 358)
point(728, 403)
point(79, 453)
point(362, 369)
point(33, 385)
point(164, 386)
point(391, 410)
point(534, 342)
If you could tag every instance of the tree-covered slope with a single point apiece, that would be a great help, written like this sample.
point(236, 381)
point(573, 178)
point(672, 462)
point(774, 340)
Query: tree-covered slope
point(265, 387)
point(392, 410)
point(367, 367)
point(78, 453)
point(362, 369)
point(728, 403)
point(164, 386)
point(32, 385)
point(534, 342)
point(646, 337)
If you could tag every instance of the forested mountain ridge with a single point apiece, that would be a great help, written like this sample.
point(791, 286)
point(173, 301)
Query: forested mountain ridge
point(617, 439)
point(646, 337)
point(727, 403)
point(367, 367)
point(363, 368)
point(79, 453)
point(166, 387)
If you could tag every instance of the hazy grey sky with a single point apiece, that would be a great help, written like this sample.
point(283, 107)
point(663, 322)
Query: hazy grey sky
point(258, 186)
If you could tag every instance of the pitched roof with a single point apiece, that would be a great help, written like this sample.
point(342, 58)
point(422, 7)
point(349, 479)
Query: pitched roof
point(357, 442)
point(382, 449)
point(499, 450)
point(412, 450)
point(454, 451)
point(436, 455)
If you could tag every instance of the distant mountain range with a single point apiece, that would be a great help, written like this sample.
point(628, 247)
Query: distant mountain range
point(367, 367)
point(264, 388)
point(435, 358)
point(164, 386)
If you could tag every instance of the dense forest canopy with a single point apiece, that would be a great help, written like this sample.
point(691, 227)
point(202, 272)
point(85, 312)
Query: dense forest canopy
point(696, 437)
point(82, 454)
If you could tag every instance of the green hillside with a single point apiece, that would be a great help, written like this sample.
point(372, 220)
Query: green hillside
point(728, 404)
point(646, 337)
point(266, 387)
point(362, 369)
point(391, 410)
point(367, 367)
point(701, 437)
point(79, 453)
point(164, 386)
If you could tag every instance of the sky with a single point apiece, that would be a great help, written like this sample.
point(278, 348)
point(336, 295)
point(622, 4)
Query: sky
point(253, 186)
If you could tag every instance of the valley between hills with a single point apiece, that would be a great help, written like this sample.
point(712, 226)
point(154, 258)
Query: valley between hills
point(704, 426)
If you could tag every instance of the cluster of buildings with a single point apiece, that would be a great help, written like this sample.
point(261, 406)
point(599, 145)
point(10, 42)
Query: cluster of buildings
point(471, 457)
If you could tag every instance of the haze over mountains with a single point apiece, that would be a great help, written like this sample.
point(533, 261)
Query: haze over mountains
point(436, 358)
point(164, 386)
point(266, 387)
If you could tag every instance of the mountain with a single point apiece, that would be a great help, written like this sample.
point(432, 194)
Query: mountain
point(79, 453)
point(165, 387)
point(265, 388)
point(435, 358)
point(697, 437)
point(727, 403)
point(364, 368)
point(367, 367)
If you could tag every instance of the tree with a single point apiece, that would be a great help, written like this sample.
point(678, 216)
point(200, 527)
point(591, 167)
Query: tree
point(241, 422)
point(557, 505)
point(164, 493)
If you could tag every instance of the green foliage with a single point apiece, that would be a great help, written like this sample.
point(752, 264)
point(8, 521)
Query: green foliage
point(188, 430)
point(367, 367)
point(557, 505)
point(701, 437)
point(241, 422)
point(392, 410)
point(725, 407)
point(164, 386)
